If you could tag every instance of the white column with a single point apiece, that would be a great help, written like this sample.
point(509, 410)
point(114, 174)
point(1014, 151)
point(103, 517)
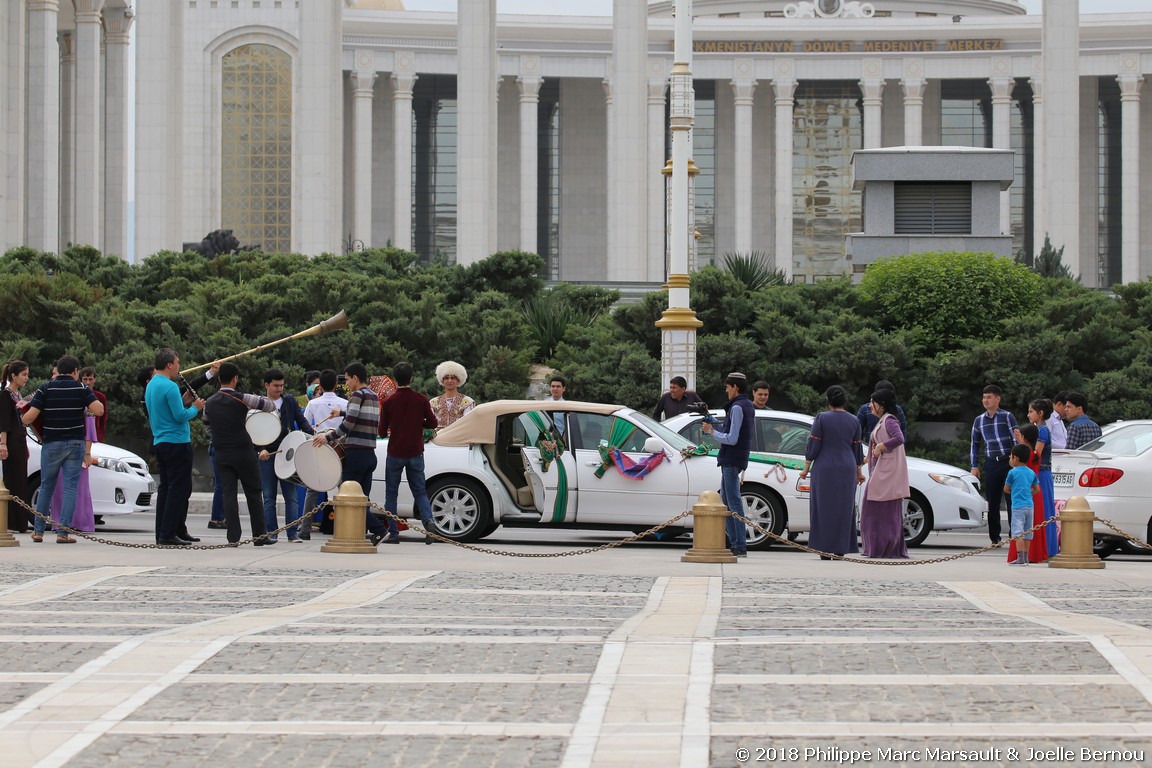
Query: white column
point(1039, 195)
point(529, 159)
point(117, 24)
point(43, 126)
point(913, 112)
point(317, 200)
point(362, 85)
point(1002, 139)
point(476, 130)
point(402, 159)
point(67, 139)
point(742, 171)
point(785, 91)
point(657, 156)
point(628, 233)
point(1061, 61)
point(1130, 180)
point(609, 182)
point(873, 91)
point(89, 117)
point(159, 129)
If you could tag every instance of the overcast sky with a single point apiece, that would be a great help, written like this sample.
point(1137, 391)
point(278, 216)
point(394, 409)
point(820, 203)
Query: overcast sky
point(604, 7)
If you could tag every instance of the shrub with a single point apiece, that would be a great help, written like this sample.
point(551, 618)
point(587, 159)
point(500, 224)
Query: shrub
point(950, 296)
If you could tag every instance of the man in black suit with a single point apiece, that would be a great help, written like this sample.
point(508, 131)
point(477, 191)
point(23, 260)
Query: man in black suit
point(224, 415)
point(291, 418)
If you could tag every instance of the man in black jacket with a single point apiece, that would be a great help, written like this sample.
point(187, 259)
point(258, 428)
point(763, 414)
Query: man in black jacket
point(291, 419)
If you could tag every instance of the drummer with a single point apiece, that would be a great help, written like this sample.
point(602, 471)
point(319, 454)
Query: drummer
point(225, 413)
point(291, 419)
point(358, 431)
point(324, 411)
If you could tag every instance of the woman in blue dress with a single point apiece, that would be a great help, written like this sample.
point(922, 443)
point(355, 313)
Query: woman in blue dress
point(835, 458)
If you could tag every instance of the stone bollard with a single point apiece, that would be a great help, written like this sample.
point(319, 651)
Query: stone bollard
point(1076, 537)
point(348, 527)
point(708, 514)
point(6, 538)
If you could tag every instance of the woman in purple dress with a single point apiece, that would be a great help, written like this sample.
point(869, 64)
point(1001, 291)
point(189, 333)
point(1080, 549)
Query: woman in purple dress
point(882, 511)
point(835, 458)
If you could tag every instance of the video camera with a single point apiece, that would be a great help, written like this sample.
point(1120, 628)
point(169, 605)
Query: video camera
point(701, 409)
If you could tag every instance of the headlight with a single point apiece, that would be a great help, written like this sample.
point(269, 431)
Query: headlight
point(116, 465)
point(951, 481)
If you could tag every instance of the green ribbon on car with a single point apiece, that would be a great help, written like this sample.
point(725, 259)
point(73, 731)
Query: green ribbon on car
point(621, 431)
point(788, 462)
point(551, 445)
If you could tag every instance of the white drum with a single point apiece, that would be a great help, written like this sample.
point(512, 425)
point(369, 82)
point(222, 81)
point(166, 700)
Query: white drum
point(263, 427)
point(285, 469)
point(319, 468)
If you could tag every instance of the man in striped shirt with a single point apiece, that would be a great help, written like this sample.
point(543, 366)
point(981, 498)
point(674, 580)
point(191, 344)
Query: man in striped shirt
point(63, 402)
point(993, 429)
point(358, 431)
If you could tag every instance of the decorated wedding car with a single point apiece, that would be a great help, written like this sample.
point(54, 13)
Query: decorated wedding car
point(563, 464)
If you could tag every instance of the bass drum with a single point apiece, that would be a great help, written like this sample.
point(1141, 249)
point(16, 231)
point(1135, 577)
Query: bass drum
point(319, 468)
point(285, 468)
point(262, 426)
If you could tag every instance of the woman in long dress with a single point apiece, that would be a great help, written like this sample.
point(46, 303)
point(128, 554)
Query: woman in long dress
point(835, 459)
point(1030, 435)
point(882, 511)
point(14, 446)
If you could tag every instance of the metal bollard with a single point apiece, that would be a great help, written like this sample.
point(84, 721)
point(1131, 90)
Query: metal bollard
point(708, 514)
point(1076, 537)
point(6, 538)
point(348, 527)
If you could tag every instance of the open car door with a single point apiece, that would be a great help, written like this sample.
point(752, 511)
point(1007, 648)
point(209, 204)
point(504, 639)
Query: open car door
point(549, 466)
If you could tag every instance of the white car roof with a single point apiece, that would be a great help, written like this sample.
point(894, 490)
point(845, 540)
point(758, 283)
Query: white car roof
point(479, 425)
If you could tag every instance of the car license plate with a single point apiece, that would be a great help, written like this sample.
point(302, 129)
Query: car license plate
point(1063, 478)
point(151, 486)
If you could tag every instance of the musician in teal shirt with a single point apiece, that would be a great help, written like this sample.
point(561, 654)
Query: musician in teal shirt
point(168, 417)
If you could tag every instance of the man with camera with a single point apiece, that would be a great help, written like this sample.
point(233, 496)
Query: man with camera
point(735, 439)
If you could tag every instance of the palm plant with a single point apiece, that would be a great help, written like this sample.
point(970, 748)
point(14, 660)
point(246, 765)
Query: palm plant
point(755, 269)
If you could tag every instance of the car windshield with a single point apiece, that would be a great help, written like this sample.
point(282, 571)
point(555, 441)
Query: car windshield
point(662, 432)
point(1125, 440)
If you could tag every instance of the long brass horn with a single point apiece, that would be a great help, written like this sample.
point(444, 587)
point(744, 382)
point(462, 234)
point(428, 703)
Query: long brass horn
point(338, 322)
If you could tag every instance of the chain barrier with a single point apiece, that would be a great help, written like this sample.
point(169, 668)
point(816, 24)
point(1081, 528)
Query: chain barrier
point(305, 519)
point(505, 553)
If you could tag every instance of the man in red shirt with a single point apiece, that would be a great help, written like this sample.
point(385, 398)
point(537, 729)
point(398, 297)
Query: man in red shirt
point(403, 418)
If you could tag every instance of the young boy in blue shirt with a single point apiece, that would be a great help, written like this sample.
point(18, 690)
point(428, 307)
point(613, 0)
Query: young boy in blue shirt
point(1020, 485)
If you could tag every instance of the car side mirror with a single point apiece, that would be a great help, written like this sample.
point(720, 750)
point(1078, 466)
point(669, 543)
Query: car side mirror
point(653, 445)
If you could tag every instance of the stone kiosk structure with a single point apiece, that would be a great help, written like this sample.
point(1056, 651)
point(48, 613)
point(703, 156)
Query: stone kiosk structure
point(919, 199)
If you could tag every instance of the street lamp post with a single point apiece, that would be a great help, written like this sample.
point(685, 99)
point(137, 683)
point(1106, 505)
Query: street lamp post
point(678, 324)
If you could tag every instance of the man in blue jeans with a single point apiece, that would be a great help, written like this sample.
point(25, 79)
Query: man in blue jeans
point(291, 419)
point(735, 439)
point(403, 419)
point(63, 401)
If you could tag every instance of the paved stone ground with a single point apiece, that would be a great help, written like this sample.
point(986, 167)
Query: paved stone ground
point(152, 659)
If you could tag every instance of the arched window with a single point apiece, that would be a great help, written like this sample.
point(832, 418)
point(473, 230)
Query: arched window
point(256, 125)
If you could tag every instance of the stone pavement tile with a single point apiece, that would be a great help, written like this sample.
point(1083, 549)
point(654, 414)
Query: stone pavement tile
point(47, 657)
point(888, 750)
point(473, 658)
point(808, 702)
point(526, 581)
point(912, 658)
point(834, 587)
point(14, 693)
point(312, 751)
point(495, 701)
point(487, 628)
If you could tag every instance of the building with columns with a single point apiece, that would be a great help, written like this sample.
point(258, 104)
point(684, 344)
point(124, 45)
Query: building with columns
point(317, 125)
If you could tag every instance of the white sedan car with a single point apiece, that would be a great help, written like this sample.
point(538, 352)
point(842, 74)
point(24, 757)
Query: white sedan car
point(119, 479)
point(943, 497)
point(1114, 473)
point(493, 467)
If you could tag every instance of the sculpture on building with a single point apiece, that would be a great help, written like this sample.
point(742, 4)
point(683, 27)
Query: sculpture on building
point(830, 9)
point(219, 242)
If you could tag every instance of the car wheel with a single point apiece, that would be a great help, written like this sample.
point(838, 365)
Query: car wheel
point(918, 520)
point(1103, 547)
point(764, 509)
point(460, 509)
